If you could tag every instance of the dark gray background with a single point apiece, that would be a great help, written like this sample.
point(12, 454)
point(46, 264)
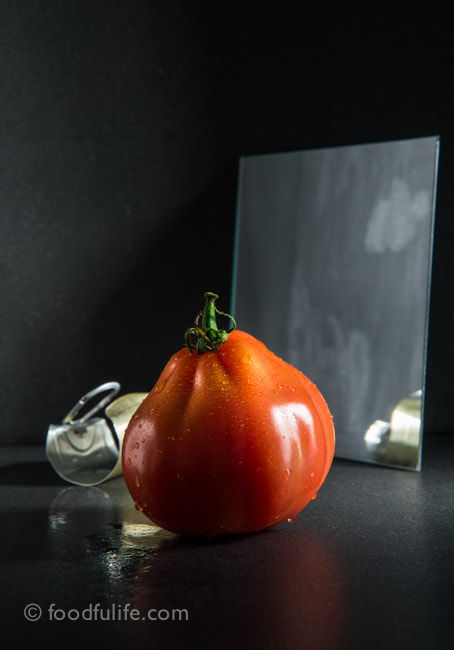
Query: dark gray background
point(332, 271)
point(120, 133)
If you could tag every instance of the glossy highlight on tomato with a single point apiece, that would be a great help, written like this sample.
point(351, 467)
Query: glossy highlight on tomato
point(231, 439)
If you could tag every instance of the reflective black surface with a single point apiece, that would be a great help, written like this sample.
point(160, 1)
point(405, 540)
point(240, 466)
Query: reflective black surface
point(369, 563)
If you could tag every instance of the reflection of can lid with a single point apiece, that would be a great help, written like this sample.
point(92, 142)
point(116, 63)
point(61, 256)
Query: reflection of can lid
point(86, 450)
point(398, 442)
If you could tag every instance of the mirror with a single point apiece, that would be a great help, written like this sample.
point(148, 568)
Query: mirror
point(332, 272)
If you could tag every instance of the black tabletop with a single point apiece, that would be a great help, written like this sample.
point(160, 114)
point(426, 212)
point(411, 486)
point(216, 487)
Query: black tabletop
point(368, 564)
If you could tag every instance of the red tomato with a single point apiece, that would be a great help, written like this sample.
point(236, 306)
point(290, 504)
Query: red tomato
point(229, 440)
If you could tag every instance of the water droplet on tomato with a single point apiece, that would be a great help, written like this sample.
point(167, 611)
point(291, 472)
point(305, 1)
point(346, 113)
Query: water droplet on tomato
point(245, 359)
point(292, 520)
point(137, 481)
point(129, 461)
point(314, 497)
point(312, 474)
point(291, 389)
point(160, 386)
point(138, 506)
point(136, 445)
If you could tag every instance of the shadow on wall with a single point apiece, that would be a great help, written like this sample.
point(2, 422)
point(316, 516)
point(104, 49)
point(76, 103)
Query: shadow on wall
point(142, 323)
point(137, 325)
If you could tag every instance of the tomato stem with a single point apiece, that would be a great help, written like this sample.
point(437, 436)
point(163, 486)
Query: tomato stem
point(207, 336)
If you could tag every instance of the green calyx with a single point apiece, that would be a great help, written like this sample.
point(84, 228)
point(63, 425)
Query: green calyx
point(205, 336)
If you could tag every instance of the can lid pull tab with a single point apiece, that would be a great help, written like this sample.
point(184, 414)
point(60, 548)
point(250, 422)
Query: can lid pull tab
point(85, 450)
point(112, 386)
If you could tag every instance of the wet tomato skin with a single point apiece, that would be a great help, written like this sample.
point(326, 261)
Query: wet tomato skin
point(228, 441)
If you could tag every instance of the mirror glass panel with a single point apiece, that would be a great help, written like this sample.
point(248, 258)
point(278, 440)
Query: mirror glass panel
point(332, 272)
